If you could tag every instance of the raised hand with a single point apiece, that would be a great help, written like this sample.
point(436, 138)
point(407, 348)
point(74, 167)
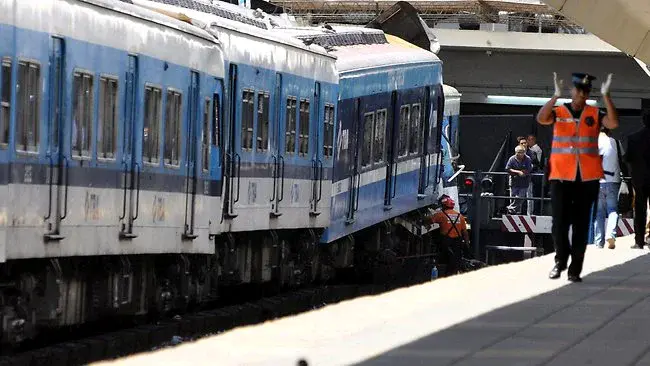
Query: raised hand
point(558, 85)
point(604, 87)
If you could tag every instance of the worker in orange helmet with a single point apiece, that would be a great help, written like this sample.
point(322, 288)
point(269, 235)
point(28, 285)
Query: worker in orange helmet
point(575, 167)
point(453, 231)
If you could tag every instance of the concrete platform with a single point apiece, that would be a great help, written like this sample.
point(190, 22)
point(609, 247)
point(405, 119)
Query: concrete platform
point(501, 315)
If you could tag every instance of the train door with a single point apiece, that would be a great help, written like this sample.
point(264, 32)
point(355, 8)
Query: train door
point(355, 175)
point(317, 163)
point(277, 148)
point(215, 155)
point(391, 156)
point(192, 129)
point(425, 157)
point(131, 163)
point(232, 160)
point(216, 149)
point(58, 161)
point(437, 98)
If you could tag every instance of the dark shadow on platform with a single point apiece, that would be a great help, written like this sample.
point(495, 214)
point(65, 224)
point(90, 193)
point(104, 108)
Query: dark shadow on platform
point(604, 320)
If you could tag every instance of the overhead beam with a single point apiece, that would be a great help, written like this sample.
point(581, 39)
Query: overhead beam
point(623, 23)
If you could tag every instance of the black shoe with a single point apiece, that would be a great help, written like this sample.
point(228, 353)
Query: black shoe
point(637, 246)
point(555, 272)
point(575, 278)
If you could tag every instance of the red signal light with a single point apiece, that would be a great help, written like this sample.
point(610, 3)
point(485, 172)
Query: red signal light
point(469, 182)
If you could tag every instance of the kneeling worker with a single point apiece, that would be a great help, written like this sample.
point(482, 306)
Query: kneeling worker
point(453, 230)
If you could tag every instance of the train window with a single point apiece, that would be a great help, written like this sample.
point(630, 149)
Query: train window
point(205, 136)
point(404, 114)
point(368, 128)
point(415, 134)
point(107, 129)
point(263, 121)
point(5, 102)
point(303, 137)
point(151, 128)
point(247, 115)
point(328, 136)
point(290, 126)
point(215, 120)
point(82, 123)
point(380, 134)
point(28, 101)
point(173, 127)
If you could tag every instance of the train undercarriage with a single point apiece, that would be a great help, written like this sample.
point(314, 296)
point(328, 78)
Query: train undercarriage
point(46, 294)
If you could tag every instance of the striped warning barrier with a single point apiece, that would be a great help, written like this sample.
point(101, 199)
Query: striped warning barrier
point(526, 224)
point(625, 227)
point(519, 223)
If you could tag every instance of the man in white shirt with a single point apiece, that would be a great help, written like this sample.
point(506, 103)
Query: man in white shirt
point(606, 206)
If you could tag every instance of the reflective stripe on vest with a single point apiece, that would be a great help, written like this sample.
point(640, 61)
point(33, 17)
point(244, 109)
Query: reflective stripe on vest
point(575, 145)
point(575, 139)
point(573, 150)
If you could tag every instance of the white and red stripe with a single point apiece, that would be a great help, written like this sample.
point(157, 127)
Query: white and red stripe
point(519, 223)
point(526, 224)
point(625, 227)
point(542, 225)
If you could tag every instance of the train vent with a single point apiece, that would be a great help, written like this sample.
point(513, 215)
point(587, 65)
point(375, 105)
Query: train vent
point(344, 39)
point(213, 9)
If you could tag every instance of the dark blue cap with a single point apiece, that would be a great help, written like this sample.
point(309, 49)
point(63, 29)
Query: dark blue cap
point(581, 80)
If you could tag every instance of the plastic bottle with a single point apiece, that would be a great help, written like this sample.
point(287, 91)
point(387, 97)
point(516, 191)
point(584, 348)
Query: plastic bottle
point(434, 272)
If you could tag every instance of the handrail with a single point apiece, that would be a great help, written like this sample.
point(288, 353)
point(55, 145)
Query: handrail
point(273, 175)
point(468, 172)
point(51, 183)
point(137, 192)
point(281, 196)
point(507, 197)
point(126, 169)
point(320, 183)
point(67, 184)
point(238, 162)
point(394, 180)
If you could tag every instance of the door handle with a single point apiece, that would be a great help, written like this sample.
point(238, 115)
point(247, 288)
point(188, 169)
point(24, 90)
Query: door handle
point(65, 194)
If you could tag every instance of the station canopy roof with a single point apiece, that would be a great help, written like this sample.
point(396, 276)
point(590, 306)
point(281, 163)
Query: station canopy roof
point(625, 24)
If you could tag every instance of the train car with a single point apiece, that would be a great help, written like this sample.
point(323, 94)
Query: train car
point(449, 143)
point(107, 114)
point(277, 135)
point(386, 159)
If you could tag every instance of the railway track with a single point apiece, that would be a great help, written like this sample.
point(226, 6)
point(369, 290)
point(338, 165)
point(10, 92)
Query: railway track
point(191, 326)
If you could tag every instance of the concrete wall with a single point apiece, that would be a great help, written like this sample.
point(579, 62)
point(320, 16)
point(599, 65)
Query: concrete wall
point(477, 73)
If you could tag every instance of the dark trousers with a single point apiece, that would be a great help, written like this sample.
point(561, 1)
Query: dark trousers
point(571, 206)
point(452, 249)
point(641, 200)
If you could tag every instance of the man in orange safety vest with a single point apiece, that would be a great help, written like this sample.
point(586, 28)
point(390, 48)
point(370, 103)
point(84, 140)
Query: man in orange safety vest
point(575, 167)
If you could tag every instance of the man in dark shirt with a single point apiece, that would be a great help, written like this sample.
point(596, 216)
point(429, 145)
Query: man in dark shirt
point(637, 156)
point(519, 166)
point(523, 141)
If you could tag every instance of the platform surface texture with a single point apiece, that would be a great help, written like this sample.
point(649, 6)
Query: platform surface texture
point(509, 314)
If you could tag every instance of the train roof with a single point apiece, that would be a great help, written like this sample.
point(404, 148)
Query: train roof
point(450, 91)
point(119, 25)
point(452, 100)
point(358, 48)
point(127, 7)
point(222, 15)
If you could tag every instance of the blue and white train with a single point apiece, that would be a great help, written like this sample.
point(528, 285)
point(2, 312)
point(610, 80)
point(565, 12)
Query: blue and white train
point(152, 152)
